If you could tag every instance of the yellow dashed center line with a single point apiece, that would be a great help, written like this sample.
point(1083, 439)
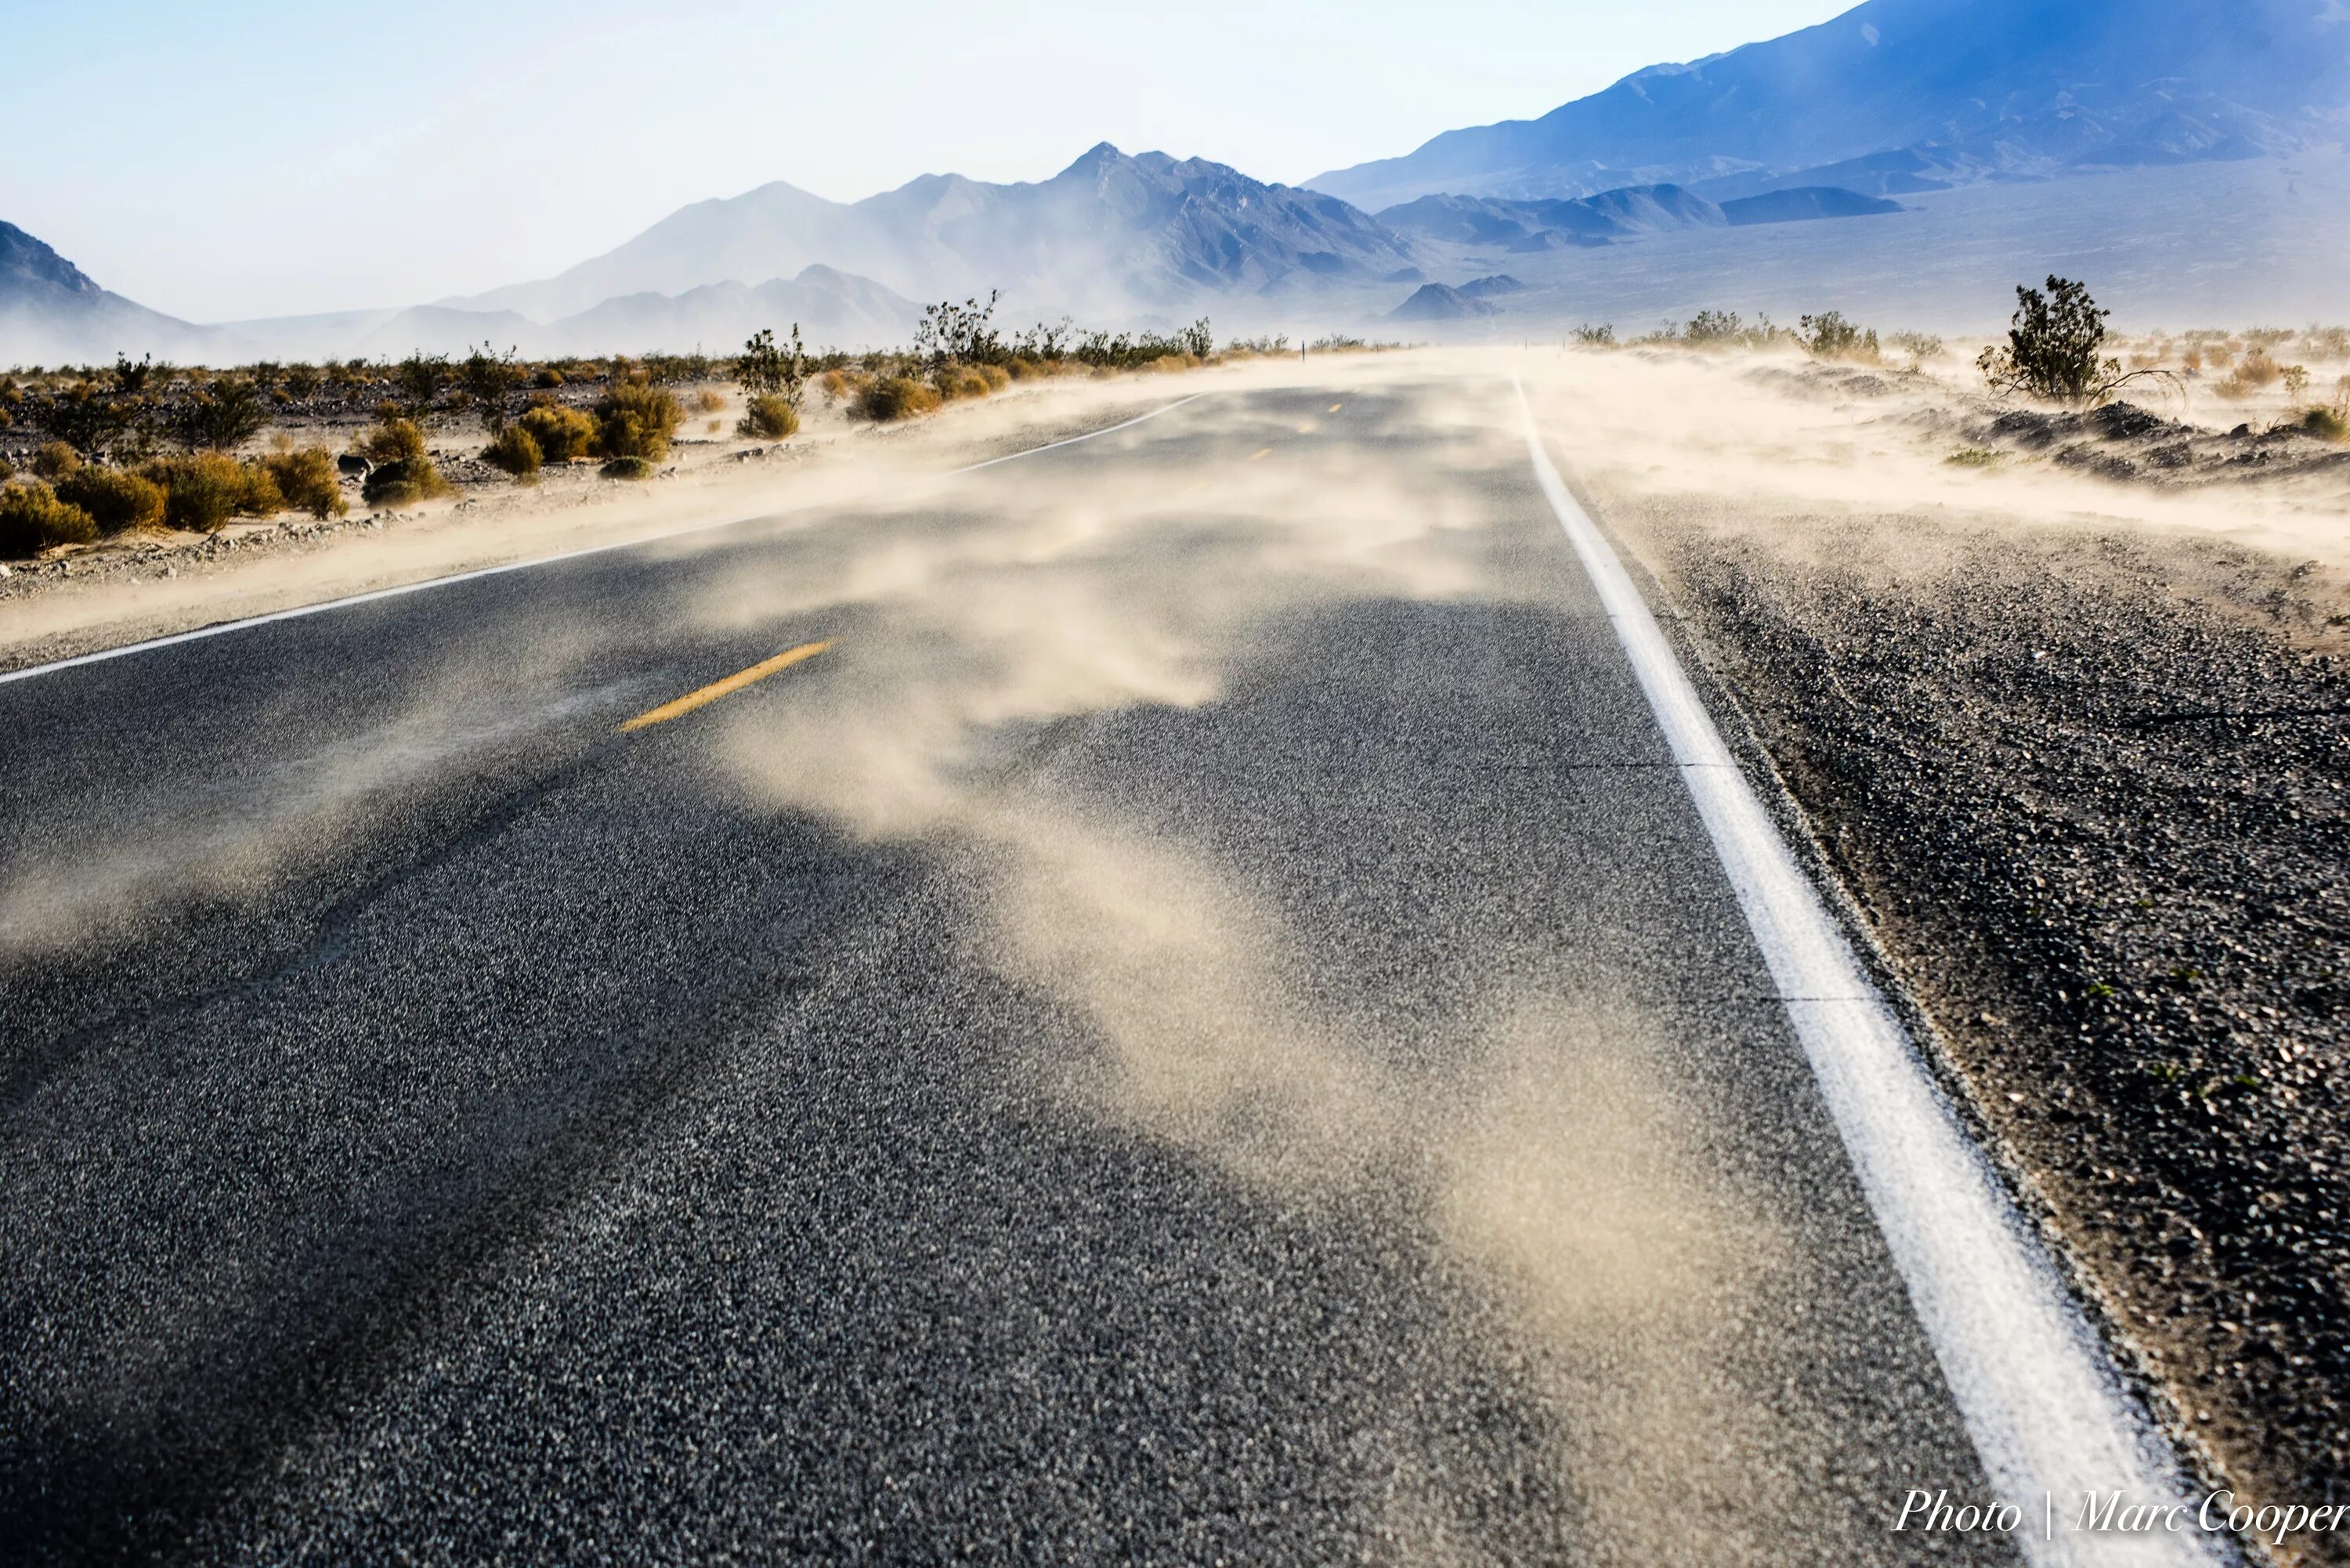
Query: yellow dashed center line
point(1259, 453)
point(1336, 407)
point(732, 683)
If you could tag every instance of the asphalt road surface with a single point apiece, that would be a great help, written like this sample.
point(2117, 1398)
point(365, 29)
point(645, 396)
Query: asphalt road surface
point(1192, 1020)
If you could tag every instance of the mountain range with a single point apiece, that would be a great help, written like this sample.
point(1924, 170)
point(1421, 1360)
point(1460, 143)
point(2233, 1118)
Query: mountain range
point(1110, 234)
point(1900, 97)
point(1895, 104)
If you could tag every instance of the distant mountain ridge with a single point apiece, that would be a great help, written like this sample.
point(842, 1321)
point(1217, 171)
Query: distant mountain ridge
point(1110, 234)
point(1612, 215)
point(1915, 95)
point(50, 308)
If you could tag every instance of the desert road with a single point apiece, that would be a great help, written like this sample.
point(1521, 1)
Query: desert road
point(1167, 1000)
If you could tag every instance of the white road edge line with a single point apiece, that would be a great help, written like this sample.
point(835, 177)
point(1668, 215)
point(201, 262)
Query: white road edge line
point(2050, 1417)
point(223, 628)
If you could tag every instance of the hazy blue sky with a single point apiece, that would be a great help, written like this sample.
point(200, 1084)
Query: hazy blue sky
point(264, 158)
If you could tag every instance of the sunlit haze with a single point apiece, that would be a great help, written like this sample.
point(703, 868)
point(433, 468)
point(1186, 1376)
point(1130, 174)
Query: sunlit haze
point(269, 160)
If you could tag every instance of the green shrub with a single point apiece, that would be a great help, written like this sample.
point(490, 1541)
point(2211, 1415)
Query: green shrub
point(307, 481)
point(201, 492)
point(394, 440)
point(561, 433)
point(223, 416)
point(770, 414)
point(2055, 348)
point(32, 519)
point(637, 419)
point(1831, 336)
point(1973, 457)
point(516, 451)
point(403, 481)
point(116, 501)
point(2326, 425)
point(892, 398)
point(627, 468)
point(549, 377)
point(55, 460)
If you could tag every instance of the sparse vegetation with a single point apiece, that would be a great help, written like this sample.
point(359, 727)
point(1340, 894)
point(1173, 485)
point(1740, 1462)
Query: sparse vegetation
point(1829, 335)
point(223, 416)
point(1973, 457)
point(55, 460)
point(636, 419)
point(516, 451)
point(307, 481)
point(562, 433)
point(628, 467)
point(489, 380)
point(1923, 348)
point(1602, 336)
point(2054, 349)
point(886, 399)
point(117, 500)
point(2327, 424)
point(32, 519)
point(201, 491)
point(395, 439)
point(769, 415)
point(403, 481)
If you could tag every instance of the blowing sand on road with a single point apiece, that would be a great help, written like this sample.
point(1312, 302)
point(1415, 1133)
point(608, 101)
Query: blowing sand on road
point(1269, 979)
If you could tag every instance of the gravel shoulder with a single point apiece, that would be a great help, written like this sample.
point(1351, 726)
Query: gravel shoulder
point(2084, 770)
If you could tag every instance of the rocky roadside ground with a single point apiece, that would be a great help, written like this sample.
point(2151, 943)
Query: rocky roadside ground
point(2091, 788)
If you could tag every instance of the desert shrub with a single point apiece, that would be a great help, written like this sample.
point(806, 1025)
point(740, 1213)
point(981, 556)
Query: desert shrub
point(2054, 349)
point(2326, 425)
point(394, 440)
point(1920, 347)
point(201, 491)
point(628, 467)
point(403, 481)
point(765, 371)
point(891, 397)
point(32, 519)
point(258, 493)
point(1602, 336)
point(1973, 457)
point(307, 481)
point(116, 500)
point(561, 433)
point(952, 334)
point(2258, 369)
point(709, 400)
point(302, 380)
point(7, 470)
point(838, 384)
point(515, 451)
point(1831, 336)
point(55, 460)
point(417, 381)
point(2296, 379)
point(488, 379)
point(771, 415)
point(635, 419)
point(223, 416)
point(549, 377)
point(961, 381)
